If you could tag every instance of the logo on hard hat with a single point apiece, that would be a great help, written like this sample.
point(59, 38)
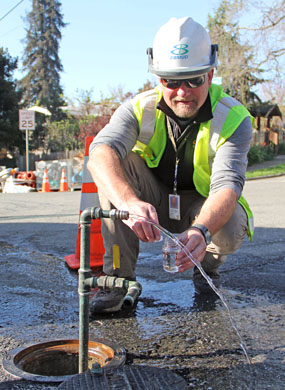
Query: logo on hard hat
point(179, 52)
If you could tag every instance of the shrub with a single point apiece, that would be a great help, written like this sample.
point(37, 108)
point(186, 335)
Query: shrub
point(281, 148)
point(258, 154)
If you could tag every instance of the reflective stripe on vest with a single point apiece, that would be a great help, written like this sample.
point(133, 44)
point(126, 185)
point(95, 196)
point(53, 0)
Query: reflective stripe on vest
point(151, 141)
point(148, 118)
point(222, 109)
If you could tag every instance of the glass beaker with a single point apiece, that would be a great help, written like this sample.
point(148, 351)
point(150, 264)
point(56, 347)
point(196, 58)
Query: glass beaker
point(169, 251)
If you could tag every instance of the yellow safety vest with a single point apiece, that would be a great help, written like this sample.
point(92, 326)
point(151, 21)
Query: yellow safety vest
point(228, 114)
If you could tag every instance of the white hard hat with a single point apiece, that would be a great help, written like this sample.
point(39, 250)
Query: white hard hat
point(181, 49)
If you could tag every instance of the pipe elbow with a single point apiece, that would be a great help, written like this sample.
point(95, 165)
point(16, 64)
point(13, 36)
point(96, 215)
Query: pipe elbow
point(86, 215)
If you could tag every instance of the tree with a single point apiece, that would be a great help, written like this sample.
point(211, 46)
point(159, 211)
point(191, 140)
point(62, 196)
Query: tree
point(85, 117)
point(83, 104)
point(62, 135)
point(93, 124)
point(41, 85)
point(11, 138)
point(148, 85)
point(267, 31)
point(274, 91)
point(92, 116)
point(236, 66)
point(118, 95)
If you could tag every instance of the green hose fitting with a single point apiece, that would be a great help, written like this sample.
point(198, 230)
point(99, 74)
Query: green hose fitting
point(106, 282)
point(134, 291)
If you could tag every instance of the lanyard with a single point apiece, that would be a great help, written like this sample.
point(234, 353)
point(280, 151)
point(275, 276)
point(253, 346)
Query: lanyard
point(170, 134)
point(175, 176)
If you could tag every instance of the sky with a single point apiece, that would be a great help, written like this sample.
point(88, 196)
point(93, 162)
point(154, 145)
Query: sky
point(104, 43)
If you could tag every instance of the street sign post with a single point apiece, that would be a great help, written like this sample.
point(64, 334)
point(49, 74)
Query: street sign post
point(27, 122)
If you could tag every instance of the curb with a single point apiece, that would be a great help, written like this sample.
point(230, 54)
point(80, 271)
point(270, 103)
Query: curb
point(264, 177)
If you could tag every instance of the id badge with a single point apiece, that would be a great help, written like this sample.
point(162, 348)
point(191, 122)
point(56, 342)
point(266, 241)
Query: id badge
point(174, 207)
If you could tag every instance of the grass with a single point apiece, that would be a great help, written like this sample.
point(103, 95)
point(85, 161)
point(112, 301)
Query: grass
point(277, 170)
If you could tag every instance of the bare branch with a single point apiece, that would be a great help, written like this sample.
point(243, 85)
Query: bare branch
point(262, 28)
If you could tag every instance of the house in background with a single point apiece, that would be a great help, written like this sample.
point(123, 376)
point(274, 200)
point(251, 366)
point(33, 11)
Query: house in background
point(267, 116)
point(268, 125)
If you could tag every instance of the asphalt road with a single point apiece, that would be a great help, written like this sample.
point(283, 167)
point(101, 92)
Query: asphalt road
point(170, 327)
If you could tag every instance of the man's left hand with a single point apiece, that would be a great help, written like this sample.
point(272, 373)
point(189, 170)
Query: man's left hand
point(195, 243)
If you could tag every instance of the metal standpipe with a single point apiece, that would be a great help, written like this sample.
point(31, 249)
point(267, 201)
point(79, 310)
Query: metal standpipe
point(86, 282)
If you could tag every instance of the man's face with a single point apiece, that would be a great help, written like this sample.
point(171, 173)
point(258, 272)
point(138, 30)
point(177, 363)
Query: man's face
point(185, 102)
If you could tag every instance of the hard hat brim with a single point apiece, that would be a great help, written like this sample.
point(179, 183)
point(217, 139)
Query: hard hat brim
point(180, 74)
point(183, 73)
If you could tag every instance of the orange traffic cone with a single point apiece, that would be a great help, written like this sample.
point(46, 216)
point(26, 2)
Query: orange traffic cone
point(63, 187)
point(45, 184)
point(89, 198)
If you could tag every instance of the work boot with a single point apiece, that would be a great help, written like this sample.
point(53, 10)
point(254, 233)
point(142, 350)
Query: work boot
point(107, 301)
point(200, 283)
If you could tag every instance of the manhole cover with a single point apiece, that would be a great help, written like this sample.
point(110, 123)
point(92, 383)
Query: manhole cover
point(127, 377)
point(57, 360)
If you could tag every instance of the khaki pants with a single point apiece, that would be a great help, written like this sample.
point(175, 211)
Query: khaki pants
point(150, 190)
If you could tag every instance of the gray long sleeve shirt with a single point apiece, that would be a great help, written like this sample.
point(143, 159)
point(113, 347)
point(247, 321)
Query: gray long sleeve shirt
point(230, 162)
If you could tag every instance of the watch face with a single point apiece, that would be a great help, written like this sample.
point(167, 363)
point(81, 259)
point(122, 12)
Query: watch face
point(208, 237)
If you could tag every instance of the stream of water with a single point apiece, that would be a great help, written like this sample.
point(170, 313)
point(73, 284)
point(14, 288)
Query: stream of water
point(208, 279)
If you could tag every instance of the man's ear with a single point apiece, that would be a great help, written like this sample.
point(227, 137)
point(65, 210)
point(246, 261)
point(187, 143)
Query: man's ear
point(210, 77)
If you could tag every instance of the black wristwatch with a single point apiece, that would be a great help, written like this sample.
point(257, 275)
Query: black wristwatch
point(204, 231)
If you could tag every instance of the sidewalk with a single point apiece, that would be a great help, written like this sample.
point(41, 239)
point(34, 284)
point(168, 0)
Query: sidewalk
point(280, 159)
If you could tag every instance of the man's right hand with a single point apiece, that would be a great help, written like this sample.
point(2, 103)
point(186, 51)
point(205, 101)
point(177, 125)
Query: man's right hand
point(141, 216)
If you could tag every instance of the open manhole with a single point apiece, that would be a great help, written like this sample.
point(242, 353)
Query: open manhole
point(56, 361)
point(127, 377)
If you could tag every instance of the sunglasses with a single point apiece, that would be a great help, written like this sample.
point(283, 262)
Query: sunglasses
point(194, 82)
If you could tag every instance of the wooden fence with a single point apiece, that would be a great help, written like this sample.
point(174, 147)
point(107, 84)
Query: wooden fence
point(275, 137)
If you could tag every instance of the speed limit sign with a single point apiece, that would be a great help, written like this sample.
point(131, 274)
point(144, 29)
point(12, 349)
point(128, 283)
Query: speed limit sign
point(26, 120)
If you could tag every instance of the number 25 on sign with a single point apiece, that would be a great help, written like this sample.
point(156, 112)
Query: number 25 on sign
point(26, 120)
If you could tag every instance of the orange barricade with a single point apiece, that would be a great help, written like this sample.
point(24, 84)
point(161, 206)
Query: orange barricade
point(89, 198)
point(63, 187)
point(45, 184)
